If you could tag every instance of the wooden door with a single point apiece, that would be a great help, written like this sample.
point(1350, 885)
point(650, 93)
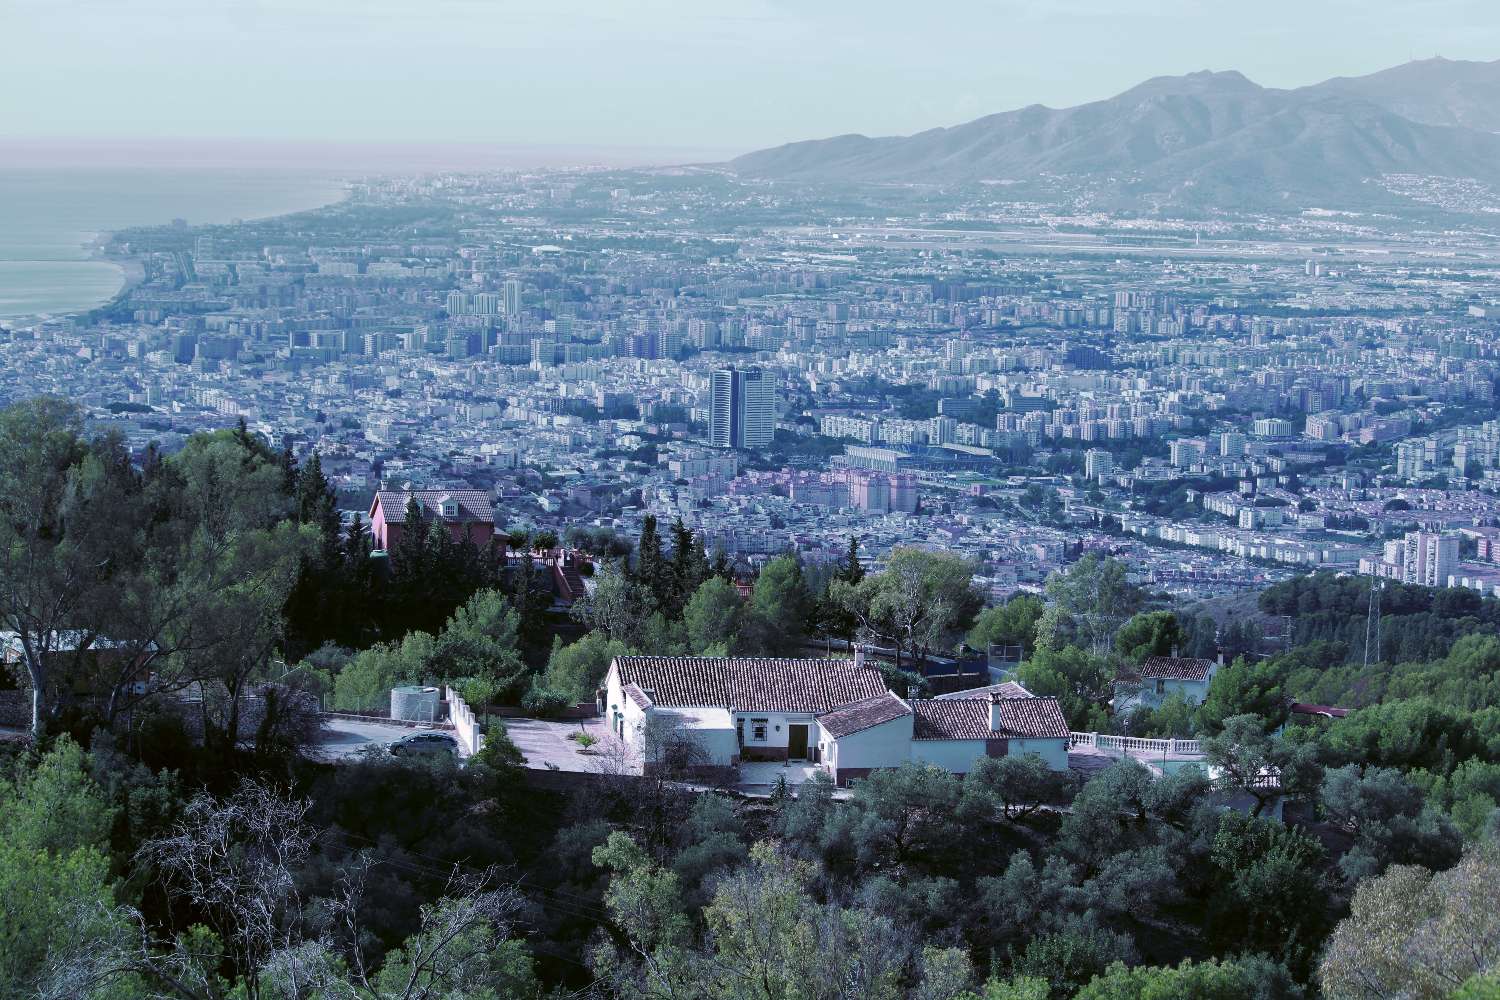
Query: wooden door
point(796, 740)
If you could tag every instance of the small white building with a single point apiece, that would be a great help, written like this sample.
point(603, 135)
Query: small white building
point(1160, 677)
point(836, 714)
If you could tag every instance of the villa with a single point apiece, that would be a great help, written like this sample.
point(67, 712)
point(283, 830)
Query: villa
point(836, 715)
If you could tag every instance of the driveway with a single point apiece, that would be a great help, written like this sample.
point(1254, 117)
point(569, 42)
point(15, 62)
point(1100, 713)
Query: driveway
point(545, 744)
point(344, 738)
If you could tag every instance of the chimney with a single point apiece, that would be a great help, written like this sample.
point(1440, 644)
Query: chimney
point(995, 699)
point(859, 654)
point(1221, 657)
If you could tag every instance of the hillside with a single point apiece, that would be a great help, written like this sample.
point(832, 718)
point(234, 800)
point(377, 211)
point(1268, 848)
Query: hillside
point(1207, 138)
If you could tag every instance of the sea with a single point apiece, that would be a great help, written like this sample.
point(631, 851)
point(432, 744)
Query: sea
point(50, 220)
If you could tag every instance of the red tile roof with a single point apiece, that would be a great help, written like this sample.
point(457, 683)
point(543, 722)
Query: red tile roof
point(473, 505)
point(969, 719)
point(1176, 668)
point(750, 685)
point(867, 714)
point(1005, 689)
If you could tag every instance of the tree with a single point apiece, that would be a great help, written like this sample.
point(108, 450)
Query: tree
point(1248, 978)
point(921, 601)
point(1089, 602)
point(779, 607)
point(712, 617)
point(689, 565)
point(1082, 684)
point(1412, 933)
point(54, 870)
point(645, 900)
point(618, 607)
point(579, 667)
point(904, 813)
point(1010, 624)
point(1149, 633)
point(1261, 766)
point(652, 571)
point(851, 570)
point(57, 541)
point(1269, 879)
point(480, 641)
point(1389, 819)
point(1012, 787)
point(1246, 687)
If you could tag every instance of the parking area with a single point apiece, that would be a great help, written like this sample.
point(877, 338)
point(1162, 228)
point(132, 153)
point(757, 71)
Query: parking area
point(545, 743)
point(344, 738)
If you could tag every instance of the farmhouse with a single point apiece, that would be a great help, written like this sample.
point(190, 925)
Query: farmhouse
point(835, 714)
point(468, 514)
point(1159, 677)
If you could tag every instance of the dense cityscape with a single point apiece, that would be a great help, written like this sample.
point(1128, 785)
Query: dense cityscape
point(1053, 556)
point(1219, 405)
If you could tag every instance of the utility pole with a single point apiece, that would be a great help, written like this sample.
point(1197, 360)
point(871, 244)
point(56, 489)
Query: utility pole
point(1372, 621)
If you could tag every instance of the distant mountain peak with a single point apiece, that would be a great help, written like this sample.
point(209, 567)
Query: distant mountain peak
point(1213, 137)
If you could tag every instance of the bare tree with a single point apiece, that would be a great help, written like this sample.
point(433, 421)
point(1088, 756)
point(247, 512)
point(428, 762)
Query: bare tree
point(234, 863)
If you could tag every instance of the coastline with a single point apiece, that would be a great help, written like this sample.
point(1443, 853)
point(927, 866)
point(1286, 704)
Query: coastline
point(132, 267)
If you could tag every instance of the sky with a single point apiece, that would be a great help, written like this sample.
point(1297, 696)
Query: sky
point(633, 79)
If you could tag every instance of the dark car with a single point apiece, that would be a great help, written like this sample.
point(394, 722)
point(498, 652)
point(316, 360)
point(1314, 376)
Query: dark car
point(425, 743)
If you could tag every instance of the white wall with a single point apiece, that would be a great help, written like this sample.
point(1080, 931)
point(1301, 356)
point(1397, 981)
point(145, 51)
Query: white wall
point(885, 745)
point(957, 756)
point(465, 727)
point(1054, 752)
point(777, 724)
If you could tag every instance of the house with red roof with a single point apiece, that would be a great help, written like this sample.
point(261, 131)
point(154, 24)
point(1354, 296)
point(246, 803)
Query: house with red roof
point(469, 515)
point(835, 714)
point(1160, 677)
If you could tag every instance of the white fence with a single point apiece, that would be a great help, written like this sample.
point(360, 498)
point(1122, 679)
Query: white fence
point(465, 726)
point(1135, 746)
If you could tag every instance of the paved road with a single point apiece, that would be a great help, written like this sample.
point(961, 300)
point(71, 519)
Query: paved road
point(343, 738)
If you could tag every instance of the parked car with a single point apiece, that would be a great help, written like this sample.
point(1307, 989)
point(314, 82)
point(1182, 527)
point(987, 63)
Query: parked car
point(425, 743)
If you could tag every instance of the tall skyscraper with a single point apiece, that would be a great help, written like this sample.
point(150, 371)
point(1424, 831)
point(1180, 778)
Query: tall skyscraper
point(742, 409)
point(512, 292)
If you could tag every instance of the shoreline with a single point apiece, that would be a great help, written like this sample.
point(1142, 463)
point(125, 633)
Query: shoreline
point(132, 267)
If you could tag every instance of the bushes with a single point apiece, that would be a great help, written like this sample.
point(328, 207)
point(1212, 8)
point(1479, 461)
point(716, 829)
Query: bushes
point(546, 703)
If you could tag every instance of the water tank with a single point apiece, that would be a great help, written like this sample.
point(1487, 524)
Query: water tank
point(414, 704)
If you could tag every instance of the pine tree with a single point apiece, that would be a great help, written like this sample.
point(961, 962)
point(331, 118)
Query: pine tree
point(689, 566)
point(851, 571)
point(651, 569)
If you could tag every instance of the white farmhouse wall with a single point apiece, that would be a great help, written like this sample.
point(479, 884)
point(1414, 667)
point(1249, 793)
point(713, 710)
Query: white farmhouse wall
point(1054, 752)
point(885, 745)
point(957, 756)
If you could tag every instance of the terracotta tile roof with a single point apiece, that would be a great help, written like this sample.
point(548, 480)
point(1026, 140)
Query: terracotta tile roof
point(751, 685)
point(1005, 689)
point(1176, 668)
point(1331, 711)
point(473, 505)
point(969, 719)
point(635, 694)
point(867, 714)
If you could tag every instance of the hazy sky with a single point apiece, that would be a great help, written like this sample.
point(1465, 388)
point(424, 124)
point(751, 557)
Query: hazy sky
point(697, 75)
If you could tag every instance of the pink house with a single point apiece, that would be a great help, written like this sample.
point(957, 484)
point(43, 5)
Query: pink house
point(469, 515)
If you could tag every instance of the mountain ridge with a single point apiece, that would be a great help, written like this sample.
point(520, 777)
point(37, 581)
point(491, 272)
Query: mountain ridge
point(1200, 139)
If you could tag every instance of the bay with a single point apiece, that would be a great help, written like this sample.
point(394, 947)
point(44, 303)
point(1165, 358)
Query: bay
point(51, 218)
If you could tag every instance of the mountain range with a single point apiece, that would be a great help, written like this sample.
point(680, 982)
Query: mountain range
point(1208, 139)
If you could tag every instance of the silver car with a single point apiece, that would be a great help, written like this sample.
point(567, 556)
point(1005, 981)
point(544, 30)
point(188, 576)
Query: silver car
point(417, 744)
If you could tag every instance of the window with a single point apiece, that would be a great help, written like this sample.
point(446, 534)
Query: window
point(739, 730)
point(1161, 686)
point(758, 730)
